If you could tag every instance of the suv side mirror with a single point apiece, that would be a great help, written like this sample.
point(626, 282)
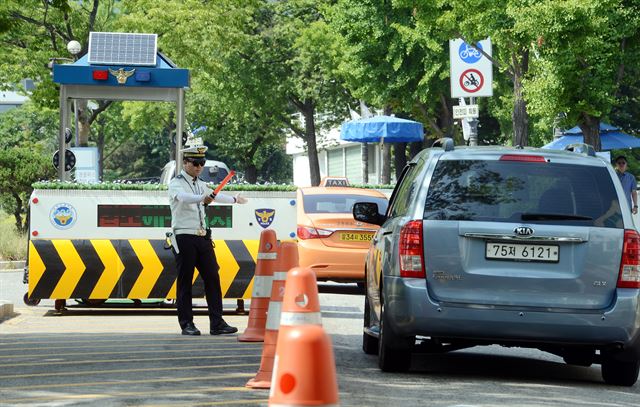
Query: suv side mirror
point(368, 212)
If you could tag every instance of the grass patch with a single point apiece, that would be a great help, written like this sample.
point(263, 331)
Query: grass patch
point(13, 245)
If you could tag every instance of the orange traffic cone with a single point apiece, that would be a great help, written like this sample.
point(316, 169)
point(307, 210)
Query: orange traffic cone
point(304, 372)
point(267, 257)
point(288, 258)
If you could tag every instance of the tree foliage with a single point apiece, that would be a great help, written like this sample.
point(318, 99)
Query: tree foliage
point(19, 168)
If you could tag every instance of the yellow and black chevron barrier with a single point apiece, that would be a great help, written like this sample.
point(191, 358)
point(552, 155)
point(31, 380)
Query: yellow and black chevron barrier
point(135, 269)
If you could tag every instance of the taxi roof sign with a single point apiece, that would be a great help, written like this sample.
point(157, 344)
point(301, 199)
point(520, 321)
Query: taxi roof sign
point(334, 182)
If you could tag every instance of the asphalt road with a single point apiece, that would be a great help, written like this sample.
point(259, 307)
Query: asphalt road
point(136, 356)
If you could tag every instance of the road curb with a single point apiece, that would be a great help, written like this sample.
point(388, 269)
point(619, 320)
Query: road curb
point(11, 265)
point(6, 309)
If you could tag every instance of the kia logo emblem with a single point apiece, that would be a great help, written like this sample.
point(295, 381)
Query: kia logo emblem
point(523, 231)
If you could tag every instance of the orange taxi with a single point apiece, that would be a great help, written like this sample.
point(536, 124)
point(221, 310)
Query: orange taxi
point(330, 241)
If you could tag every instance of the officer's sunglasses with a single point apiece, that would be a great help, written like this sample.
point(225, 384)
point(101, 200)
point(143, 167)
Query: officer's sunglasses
point(197, 162)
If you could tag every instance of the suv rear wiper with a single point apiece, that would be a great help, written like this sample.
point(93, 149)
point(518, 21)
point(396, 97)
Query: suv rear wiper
point(553, 216)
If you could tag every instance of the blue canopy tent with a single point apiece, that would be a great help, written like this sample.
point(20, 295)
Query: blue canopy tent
point(611, 138)
point(380, 129)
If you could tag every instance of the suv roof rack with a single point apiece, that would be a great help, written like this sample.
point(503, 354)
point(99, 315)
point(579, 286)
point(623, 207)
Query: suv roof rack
point(445, 142)
point(581, 148)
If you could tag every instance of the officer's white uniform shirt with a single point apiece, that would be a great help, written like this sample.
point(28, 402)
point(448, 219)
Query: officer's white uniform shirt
point(186, 196)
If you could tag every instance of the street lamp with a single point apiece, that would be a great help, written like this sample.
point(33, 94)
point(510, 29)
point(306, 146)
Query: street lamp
point(74, 48)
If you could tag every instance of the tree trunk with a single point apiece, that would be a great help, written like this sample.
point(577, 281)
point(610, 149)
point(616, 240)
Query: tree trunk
point(310, 137)
point(400, 157)
point(520, 117)
point(415, 148)
point(171, 128)
point(365, 163)
point(365, 113)
point(446, 116)
point(100, 143)
point(385, 178)
point(17, 212)
point(251, 174)
point(84, 126)
point(590, 127)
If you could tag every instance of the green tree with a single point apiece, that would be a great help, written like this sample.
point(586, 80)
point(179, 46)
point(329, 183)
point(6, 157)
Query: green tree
point(588, 59)
point(19, 168)
point(255, 65)
point(29, 125)
point(32, 32)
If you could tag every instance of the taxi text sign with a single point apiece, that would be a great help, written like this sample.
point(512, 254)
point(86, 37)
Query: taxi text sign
point(471, 71)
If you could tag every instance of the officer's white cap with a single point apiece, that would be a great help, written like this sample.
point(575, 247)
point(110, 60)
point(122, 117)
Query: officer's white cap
point(194, 151)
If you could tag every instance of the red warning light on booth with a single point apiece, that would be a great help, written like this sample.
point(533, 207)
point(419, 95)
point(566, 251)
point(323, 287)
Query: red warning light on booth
point(100, 75)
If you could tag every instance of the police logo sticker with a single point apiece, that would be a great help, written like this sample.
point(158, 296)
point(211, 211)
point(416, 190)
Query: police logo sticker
point(265, 216)
point(63, 215)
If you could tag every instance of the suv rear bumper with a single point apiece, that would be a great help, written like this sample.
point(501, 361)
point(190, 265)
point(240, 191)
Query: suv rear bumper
point(413, 312)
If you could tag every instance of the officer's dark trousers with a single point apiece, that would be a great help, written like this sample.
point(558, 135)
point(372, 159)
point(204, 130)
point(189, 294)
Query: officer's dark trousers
point(197, 251)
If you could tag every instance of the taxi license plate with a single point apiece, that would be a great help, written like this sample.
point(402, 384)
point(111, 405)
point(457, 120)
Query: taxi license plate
point(522, 252)
point(356, 237)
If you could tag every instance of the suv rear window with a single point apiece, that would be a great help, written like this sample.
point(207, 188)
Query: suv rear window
point(339, 203)
point(508, 191)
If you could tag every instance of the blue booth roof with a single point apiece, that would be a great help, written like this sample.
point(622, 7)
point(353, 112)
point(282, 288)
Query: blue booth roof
point(164, 75)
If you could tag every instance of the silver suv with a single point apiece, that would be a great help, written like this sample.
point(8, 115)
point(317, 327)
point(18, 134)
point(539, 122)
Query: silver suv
point(518, 247)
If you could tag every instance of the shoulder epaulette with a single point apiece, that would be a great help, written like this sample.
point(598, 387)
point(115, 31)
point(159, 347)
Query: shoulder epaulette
point(180, 176)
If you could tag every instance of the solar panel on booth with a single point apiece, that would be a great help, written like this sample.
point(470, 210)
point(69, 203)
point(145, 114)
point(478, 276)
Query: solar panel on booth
point(122, 49)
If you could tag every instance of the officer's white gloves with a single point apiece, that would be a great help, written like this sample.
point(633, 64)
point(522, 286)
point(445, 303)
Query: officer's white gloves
point(241, 199)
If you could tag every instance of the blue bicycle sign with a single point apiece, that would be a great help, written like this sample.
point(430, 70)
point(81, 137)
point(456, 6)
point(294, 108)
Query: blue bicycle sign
point(469, 54)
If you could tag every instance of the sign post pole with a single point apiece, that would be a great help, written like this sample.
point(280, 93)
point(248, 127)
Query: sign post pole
point(471, 76)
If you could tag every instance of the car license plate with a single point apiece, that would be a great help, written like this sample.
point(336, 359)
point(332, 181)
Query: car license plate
point(522, 252)
point(356, 237)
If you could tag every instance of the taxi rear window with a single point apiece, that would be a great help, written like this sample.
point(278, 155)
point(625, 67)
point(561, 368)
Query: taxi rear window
point(339, 203)
point(508, 191)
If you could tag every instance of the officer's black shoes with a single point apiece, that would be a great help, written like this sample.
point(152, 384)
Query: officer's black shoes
point(223, 329)
point(190, 329)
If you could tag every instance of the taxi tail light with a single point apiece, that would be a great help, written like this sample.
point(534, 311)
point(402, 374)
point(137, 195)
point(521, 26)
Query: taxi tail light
point(629, 276)
point(307, 232)
point(411, 250)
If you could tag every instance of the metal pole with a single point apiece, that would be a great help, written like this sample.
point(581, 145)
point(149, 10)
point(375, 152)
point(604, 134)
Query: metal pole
point(179, 127)
point(473, 124)
point(63, 124)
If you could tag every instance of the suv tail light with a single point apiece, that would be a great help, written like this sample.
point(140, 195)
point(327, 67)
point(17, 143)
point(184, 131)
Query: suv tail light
point(411, 250)
point(629, 276)
point(308, 232)
point(523, 158)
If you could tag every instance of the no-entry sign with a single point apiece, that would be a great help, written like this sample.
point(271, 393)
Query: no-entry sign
point(471, 70)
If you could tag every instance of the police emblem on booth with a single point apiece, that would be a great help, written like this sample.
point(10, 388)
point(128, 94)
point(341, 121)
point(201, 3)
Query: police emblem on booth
point(265, 216)
point(63, 215)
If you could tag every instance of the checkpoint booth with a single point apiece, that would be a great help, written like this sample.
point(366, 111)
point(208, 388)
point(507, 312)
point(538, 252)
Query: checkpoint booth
point(119, 66)
point(94, 244)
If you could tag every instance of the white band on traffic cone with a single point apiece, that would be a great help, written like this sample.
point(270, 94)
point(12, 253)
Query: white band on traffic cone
point(300, 318)
point(273, 315)
point(279, 276)
point(267, 256)
point(261, 287)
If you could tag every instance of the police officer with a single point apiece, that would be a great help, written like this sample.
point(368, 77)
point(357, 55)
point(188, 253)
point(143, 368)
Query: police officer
point(192, 246)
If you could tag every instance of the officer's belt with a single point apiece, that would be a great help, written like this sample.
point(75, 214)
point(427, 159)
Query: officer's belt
point(195, 232)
